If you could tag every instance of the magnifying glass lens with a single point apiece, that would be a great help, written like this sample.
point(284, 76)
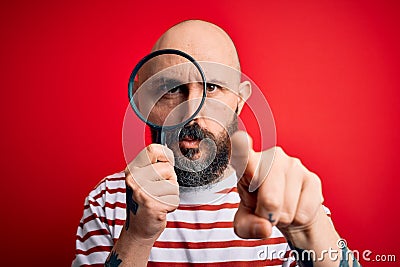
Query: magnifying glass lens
point(168, 90)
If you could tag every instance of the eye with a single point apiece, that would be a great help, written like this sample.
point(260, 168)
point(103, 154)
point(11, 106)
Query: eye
point(175, 90)
point(211, 87)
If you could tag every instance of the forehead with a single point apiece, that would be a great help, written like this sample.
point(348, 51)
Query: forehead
point(203, 41)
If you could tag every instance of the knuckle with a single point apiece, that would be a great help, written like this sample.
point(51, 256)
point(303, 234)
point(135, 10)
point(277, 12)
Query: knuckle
point(153, 149)
point(315, 180)
point(296, 162)
point(279, 151)
point(272, 203)
point(286, 218)
point(165, 170)
point(302, 218)
point(161, 216)
point(150, 149)
point(280, 155)
point(169, 171)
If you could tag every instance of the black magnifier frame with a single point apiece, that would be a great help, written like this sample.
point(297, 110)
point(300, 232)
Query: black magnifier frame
point(160, 138)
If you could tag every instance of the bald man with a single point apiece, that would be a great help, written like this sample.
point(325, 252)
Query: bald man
point(181, 215)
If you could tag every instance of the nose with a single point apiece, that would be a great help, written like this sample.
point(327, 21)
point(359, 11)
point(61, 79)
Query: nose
point(195, 97)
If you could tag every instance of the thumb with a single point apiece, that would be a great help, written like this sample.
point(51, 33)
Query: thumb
point(248, 225)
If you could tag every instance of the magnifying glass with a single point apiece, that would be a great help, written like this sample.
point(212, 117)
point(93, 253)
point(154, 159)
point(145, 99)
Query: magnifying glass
point(158, 90)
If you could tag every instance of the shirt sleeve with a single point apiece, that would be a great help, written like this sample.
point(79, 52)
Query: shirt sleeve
point(93, 238)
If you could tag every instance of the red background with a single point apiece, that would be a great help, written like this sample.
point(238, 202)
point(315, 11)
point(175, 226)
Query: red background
point(329, 69)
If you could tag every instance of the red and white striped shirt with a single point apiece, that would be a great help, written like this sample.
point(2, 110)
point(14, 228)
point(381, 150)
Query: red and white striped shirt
point(198, 233)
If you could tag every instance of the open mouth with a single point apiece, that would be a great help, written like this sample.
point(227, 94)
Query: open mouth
point(189, 142)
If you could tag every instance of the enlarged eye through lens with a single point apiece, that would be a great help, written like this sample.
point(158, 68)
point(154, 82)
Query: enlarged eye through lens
point(159, 83)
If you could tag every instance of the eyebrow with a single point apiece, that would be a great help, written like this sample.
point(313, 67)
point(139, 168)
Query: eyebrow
point(218, 82)
point(167, 82)
point(170, 80)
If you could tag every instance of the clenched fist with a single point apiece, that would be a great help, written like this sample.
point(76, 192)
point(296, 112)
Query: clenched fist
point(152, 192)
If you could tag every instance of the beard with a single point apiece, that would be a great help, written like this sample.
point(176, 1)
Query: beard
point(205, 164)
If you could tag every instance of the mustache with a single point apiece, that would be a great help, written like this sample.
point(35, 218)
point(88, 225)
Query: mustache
point(193, 131)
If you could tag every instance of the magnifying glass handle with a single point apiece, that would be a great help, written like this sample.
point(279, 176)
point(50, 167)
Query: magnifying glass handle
point(160, 137)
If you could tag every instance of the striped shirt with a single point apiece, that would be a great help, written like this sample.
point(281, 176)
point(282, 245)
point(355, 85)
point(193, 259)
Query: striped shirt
point(198, 233)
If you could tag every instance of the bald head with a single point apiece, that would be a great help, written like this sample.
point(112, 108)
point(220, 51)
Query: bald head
point(202, 40)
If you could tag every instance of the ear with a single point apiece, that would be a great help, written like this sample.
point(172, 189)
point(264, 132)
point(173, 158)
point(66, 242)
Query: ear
point(244, 94)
